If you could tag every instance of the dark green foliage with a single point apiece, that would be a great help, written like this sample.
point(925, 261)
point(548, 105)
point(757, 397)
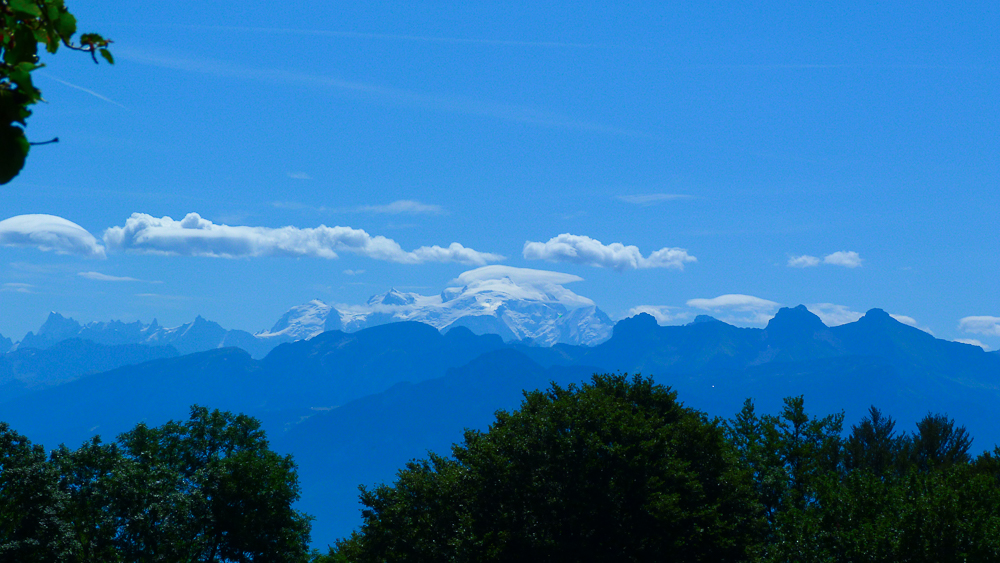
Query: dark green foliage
point(31, 526)
point(214, 481)
point(874, 446)
point(939, 443)
point(874, 497)
point(619, 470)
point(613, 470)
point(791, 458)
point(208, 489)
point(24, 25)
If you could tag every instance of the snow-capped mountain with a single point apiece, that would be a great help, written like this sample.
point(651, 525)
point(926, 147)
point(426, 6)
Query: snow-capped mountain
point(196, 336)
point(516, 303)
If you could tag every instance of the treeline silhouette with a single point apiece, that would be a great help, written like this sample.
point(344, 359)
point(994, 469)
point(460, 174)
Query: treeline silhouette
point(616, 469)
point(207, 489)
point(619, 470)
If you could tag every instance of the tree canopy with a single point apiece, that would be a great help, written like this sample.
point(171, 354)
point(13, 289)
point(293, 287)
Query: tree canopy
point(26, 24)
point(619, 470)
point(616, 469)
point(208, 489)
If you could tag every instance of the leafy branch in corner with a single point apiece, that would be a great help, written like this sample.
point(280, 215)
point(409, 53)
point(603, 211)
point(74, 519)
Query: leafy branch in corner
point(24, 25)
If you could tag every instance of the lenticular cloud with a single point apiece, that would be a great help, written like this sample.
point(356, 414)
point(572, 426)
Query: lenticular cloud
point(50, 233)
point(195, 236)
point(585, 250)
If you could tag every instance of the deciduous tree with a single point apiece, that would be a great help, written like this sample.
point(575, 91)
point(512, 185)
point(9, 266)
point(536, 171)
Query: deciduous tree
point(616, 469)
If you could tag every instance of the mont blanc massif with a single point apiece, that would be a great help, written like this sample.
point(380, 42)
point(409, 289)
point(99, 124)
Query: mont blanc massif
point(353, 392)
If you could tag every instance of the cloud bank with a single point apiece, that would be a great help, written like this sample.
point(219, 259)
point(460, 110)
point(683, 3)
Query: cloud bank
point(973, 342)
point(584, 250)
point(195, 236)
point(981, 325)
point(49, 233)
point(734, 301)
point(663, 314)
point(804, 261)
point(834, 315)
point(738, 308)
point(520, 276)
point(17, 287)
point(845, 258)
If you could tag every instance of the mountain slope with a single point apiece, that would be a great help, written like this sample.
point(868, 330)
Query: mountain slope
point(352, 407)
point(294, 379)
point(196, 336)
point(29, 369)
point(366, 441)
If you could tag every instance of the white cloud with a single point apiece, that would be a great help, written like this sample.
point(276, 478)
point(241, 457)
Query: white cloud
point(195, 236)
point(50, 233)
point(909, 321)
point(981, 325)
point(354, 272)
point(299, 176)
point(524, 283)
point(17, 287)
point(804, 261)
point(585, 250)
point(738, 308)
point(734, 301)
point(663, 314)
point(520, 276)
point(404, 207)
point(847, 259)
point(834, 315)
point(97, 276)
point(651, 199)
point(973, 342)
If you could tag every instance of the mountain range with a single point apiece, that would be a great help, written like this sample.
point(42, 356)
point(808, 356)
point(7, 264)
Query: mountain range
point(490, 301)
point(353, 407)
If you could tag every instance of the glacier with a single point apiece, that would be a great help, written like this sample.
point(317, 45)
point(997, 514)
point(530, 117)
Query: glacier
point(516, 303)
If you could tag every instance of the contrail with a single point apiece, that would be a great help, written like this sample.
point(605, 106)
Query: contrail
point(395, 37)
point(91, 92)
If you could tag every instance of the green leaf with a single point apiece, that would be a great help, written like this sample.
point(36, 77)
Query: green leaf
point(21, 75)
point(107, 56)
point(24, 48)
point(65, 25)
point(14, 148)
point(12, 107)
point(25, 7)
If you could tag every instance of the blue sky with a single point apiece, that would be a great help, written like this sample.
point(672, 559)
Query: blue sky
point(842, 155)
